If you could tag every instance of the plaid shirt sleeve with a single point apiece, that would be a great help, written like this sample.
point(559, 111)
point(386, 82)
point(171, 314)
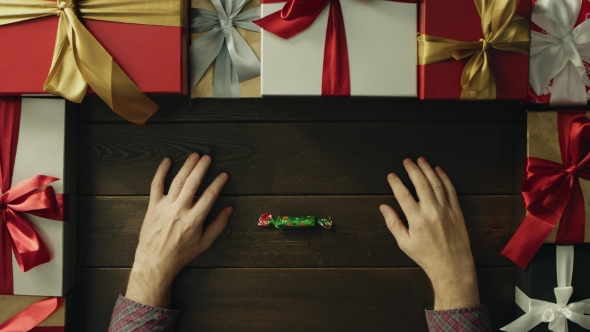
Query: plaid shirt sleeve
point(132, 316)
point(472, 319)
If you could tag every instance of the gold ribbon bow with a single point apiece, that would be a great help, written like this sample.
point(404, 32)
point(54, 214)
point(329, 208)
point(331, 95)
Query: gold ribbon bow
point(501, 29)
point(79, 60)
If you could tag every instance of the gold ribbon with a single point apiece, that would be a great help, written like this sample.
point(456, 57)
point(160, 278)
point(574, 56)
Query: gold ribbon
point(79, 60)
point(501, 29)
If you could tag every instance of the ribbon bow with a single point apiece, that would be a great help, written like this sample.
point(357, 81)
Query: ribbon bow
point(79, 60)
point(501, 29)
point(234, 59)
point(298, 15)
point(556, 314)
point(27, 319)
point(552, 192)
point(560, 53)
point(33, 196)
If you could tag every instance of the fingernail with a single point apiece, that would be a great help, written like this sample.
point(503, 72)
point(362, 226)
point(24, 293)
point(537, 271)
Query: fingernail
point(407, 161)
point(382, 209)
point(166, 161)
point(194, 156)
point(438, 169)
point(206, 158)
point(422, 160)
point(229, 211)
point(223, 175)
point(391, 176)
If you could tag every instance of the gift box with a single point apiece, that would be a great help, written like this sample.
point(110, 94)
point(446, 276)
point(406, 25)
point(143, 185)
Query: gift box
point(462, 55)
point(147, 41)
point(341, 48)
point(556, 189)
point(553, 291)
point(559, 28)
point(224, 54)
point(32, 313)
point(37, 205)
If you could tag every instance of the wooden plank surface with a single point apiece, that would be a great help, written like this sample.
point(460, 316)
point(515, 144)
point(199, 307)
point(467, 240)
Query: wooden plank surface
point(261, 300)
point(279, 159)
point(178, 109)
point(108, 235)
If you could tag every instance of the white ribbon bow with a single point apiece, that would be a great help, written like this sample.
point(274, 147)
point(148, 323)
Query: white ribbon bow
point(235, 61)
point(558, 54)
point(556, 314)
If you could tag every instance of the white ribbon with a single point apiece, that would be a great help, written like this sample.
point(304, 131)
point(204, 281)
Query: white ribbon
point(234, 59)
point(558, 54)
point(556, 314)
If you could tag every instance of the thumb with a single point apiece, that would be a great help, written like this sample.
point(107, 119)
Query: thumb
point(395, 224)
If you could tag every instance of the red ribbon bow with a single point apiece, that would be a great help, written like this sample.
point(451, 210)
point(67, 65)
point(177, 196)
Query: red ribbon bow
point(32, 196)
point(552, 192)
point(298, 15)
point(28, 319)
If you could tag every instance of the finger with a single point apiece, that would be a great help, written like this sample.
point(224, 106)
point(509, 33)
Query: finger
point(420, 182)
point(184, 172)
point(449, 189)
point(216, 227)
point(403, 195)
point(395, 225)
point(434, 180)
point(205, 202)
point(157, 187)
point(193, 181)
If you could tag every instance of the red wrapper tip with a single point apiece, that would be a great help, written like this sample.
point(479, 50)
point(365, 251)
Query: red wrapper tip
point(263, 220)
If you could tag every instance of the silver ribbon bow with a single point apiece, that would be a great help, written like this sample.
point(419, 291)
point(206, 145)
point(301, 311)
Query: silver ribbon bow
point(558, 54)
point(235, 61)
point(556, 314)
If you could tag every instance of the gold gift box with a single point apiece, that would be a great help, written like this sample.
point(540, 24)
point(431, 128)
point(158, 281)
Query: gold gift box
point(249, 88)
point(543, 142)
point(11, 305)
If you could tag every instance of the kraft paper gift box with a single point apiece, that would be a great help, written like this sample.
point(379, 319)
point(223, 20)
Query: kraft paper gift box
point(555, 271)
point(45, 314)
point(148, 44)
point(555, 78)
point(379, 58)
point(247, 45)
point(453, 30)
point(37, 205)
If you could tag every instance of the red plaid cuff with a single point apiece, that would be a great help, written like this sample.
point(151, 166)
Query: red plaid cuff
point(132, 316)
point(472, 319)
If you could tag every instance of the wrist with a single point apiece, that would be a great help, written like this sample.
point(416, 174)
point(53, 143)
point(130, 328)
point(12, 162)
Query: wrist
point(149, 286)
point(456, 291)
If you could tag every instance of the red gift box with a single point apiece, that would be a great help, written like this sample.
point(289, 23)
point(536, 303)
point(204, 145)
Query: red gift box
point(545, 98)
point(460, 20)
point(154, 57)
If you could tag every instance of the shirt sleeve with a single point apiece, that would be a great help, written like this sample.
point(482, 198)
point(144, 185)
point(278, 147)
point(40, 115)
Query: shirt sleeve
point(471, 319)
point(132, 316)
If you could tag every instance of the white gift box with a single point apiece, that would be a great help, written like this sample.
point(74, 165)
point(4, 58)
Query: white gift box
point(381, 41)
point(45, 147)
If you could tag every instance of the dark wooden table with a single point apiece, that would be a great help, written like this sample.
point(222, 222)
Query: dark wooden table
point(298, 156)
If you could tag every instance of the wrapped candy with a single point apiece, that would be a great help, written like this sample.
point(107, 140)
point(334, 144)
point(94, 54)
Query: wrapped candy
point(281, 222)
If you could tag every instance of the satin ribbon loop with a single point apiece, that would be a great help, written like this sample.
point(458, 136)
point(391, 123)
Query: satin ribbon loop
point(552, 192)
point(555, 314)
point(295, 9)
point(235, 61)
point(501, 29)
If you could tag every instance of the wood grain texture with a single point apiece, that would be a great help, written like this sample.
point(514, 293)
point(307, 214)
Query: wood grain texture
point(293, 299)
point(278, 159)
point(359, 238)
point(179, 109)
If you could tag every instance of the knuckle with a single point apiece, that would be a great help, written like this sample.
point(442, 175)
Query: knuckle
point(156, 184)
point(422, 184)
point(403, 194)
point(191, 185)
point(437, 185)
point(178, 184)
point(209, 193)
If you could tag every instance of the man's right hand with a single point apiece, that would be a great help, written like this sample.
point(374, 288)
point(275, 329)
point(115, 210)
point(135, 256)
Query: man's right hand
point(436, 238)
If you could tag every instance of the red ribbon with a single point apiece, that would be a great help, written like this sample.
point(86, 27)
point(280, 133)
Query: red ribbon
point(552, 192)
point(28, 319)
point(298, 15)
point(33, 196)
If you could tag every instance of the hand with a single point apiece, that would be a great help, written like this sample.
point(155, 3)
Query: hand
point(172, 233)
point(436, 238)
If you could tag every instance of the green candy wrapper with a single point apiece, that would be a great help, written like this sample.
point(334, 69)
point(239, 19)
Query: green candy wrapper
point(282, 222)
